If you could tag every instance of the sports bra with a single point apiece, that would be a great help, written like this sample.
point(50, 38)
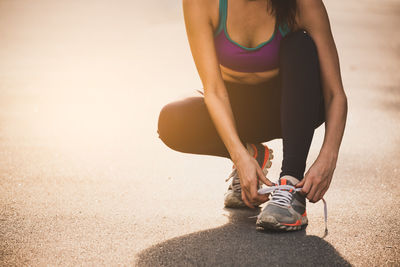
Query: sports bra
point(234, 56)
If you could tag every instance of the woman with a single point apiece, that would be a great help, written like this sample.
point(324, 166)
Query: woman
point(270, 70)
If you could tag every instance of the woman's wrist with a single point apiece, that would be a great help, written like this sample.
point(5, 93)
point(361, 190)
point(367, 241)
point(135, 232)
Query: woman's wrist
point(329, 154)
point(238, 153)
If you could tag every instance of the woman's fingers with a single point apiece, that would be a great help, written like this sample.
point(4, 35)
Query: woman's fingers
point(313, 188)
point(249, 180)
point(254, 196)
point(251, 192)
point(317, 190)
point(324, 189)
point(301, 183)
point(312, 193)
point(245, 200)
point(262, 177)
point(306, 186)
point(320, 193)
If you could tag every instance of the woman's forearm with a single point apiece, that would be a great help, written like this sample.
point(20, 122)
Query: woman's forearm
point(220, 110)
point(336, 114)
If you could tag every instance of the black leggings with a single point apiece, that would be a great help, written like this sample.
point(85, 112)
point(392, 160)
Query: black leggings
point(290, 106)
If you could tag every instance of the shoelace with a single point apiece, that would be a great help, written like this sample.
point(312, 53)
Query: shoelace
point(235, 184)
point(282, 195)
point(232, 174)
point(235, 181)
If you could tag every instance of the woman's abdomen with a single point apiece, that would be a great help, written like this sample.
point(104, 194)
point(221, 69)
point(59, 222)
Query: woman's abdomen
point(247, 77)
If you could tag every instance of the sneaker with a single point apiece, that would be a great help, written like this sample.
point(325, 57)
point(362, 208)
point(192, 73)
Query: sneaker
point(233, 197)
point(286, 210)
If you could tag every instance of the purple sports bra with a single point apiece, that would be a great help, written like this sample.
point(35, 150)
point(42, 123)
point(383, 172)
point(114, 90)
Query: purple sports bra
point(234, 56)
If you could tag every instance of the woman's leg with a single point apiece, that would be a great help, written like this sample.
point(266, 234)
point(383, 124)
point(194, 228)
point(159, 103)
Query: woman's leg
point(302, 105)
point(186, 125)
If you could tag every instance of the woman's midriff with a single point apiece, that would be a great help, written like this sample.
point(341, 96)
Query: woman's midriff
point(247, 78)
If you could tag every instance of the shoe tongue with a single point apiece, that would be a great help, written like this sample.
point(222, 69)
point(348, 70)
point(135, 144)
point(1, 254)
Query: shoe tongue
point(288, 180)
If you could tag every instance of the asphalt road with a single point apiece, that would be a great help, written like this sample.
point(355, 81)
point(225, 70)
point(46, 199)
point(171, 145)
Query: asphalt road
point(84, 179)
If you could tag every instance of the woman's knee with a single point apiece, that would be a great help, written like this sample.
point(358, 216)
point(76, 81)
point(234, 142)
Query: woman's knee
point(299, 47)
point(166, 121)
point(177, 121)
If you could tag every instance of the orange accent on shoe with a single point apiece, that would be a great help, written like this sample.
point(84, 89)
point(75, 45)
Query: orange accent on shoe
point(255, 150)
point(283, 181)
point(266, 157)
point(298, 222)
point(304, 214)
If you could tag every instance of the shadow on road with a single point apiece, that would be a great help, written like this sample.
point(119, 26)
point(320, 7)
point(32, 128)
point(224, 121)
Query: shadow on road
point(238, 244)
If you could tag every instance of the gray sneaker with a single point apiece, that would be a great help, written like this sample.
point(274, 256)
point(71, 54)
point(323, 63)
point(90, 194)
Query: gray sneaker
point(233, 197)
point(286, 210)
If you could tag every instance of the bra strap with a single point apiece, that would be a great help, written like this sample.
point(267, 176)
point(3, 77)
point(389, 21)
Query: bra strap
point(222, 15)
point(284, 29)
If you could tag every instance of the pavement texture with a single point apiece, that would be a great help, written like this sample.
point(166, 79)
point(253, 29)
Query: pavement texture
point(84, 179)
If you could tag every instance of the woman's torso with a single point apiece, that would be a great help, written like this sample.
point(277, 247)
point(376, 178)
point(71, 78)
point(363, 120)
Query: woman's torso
point(246, 40)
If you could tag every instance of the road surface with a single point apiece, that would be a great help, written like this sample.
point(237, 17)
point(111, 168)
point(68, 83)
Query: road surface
point(84, 179)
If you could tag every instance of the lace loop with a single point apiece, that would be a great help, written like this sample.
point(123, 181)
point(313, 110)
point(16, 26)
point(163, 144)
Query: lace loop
point(235, 181)
point(233, 173)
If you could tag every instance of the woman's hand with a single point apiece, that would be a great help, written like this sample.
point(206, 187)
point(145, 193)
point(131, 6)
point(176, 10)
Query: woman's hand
point(318, 178)
point(249, 173)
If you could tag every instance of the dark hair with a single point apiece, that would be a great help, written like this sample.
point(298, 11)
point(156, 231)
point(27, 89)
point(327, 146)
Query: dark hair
point(284, 12)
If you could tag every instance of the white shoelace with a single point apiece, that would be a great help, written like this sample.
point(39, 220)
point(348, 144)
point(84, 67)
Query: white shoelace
point(235, 184)
point(282, 195)
point(231, 175)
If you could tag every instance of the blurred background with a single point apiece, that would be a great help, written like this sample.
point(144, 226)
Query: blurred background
point(84, 178)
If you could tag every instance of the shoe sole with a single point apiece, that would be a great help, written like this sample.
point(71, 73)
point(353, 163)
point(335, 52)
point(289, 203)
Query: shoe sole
point(270, 223)
point(235, 202)
point(268, 164)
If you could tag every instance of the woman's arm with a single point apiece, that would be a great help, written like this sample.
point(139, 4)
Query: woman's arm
point(200, 36)
point(201, 40)
point(312, 17)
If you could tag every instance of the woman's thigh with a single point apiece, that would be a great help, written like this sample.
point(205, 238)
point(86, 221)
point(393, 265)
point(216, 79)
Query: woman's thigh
point(186, 126)
point(256, 109)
